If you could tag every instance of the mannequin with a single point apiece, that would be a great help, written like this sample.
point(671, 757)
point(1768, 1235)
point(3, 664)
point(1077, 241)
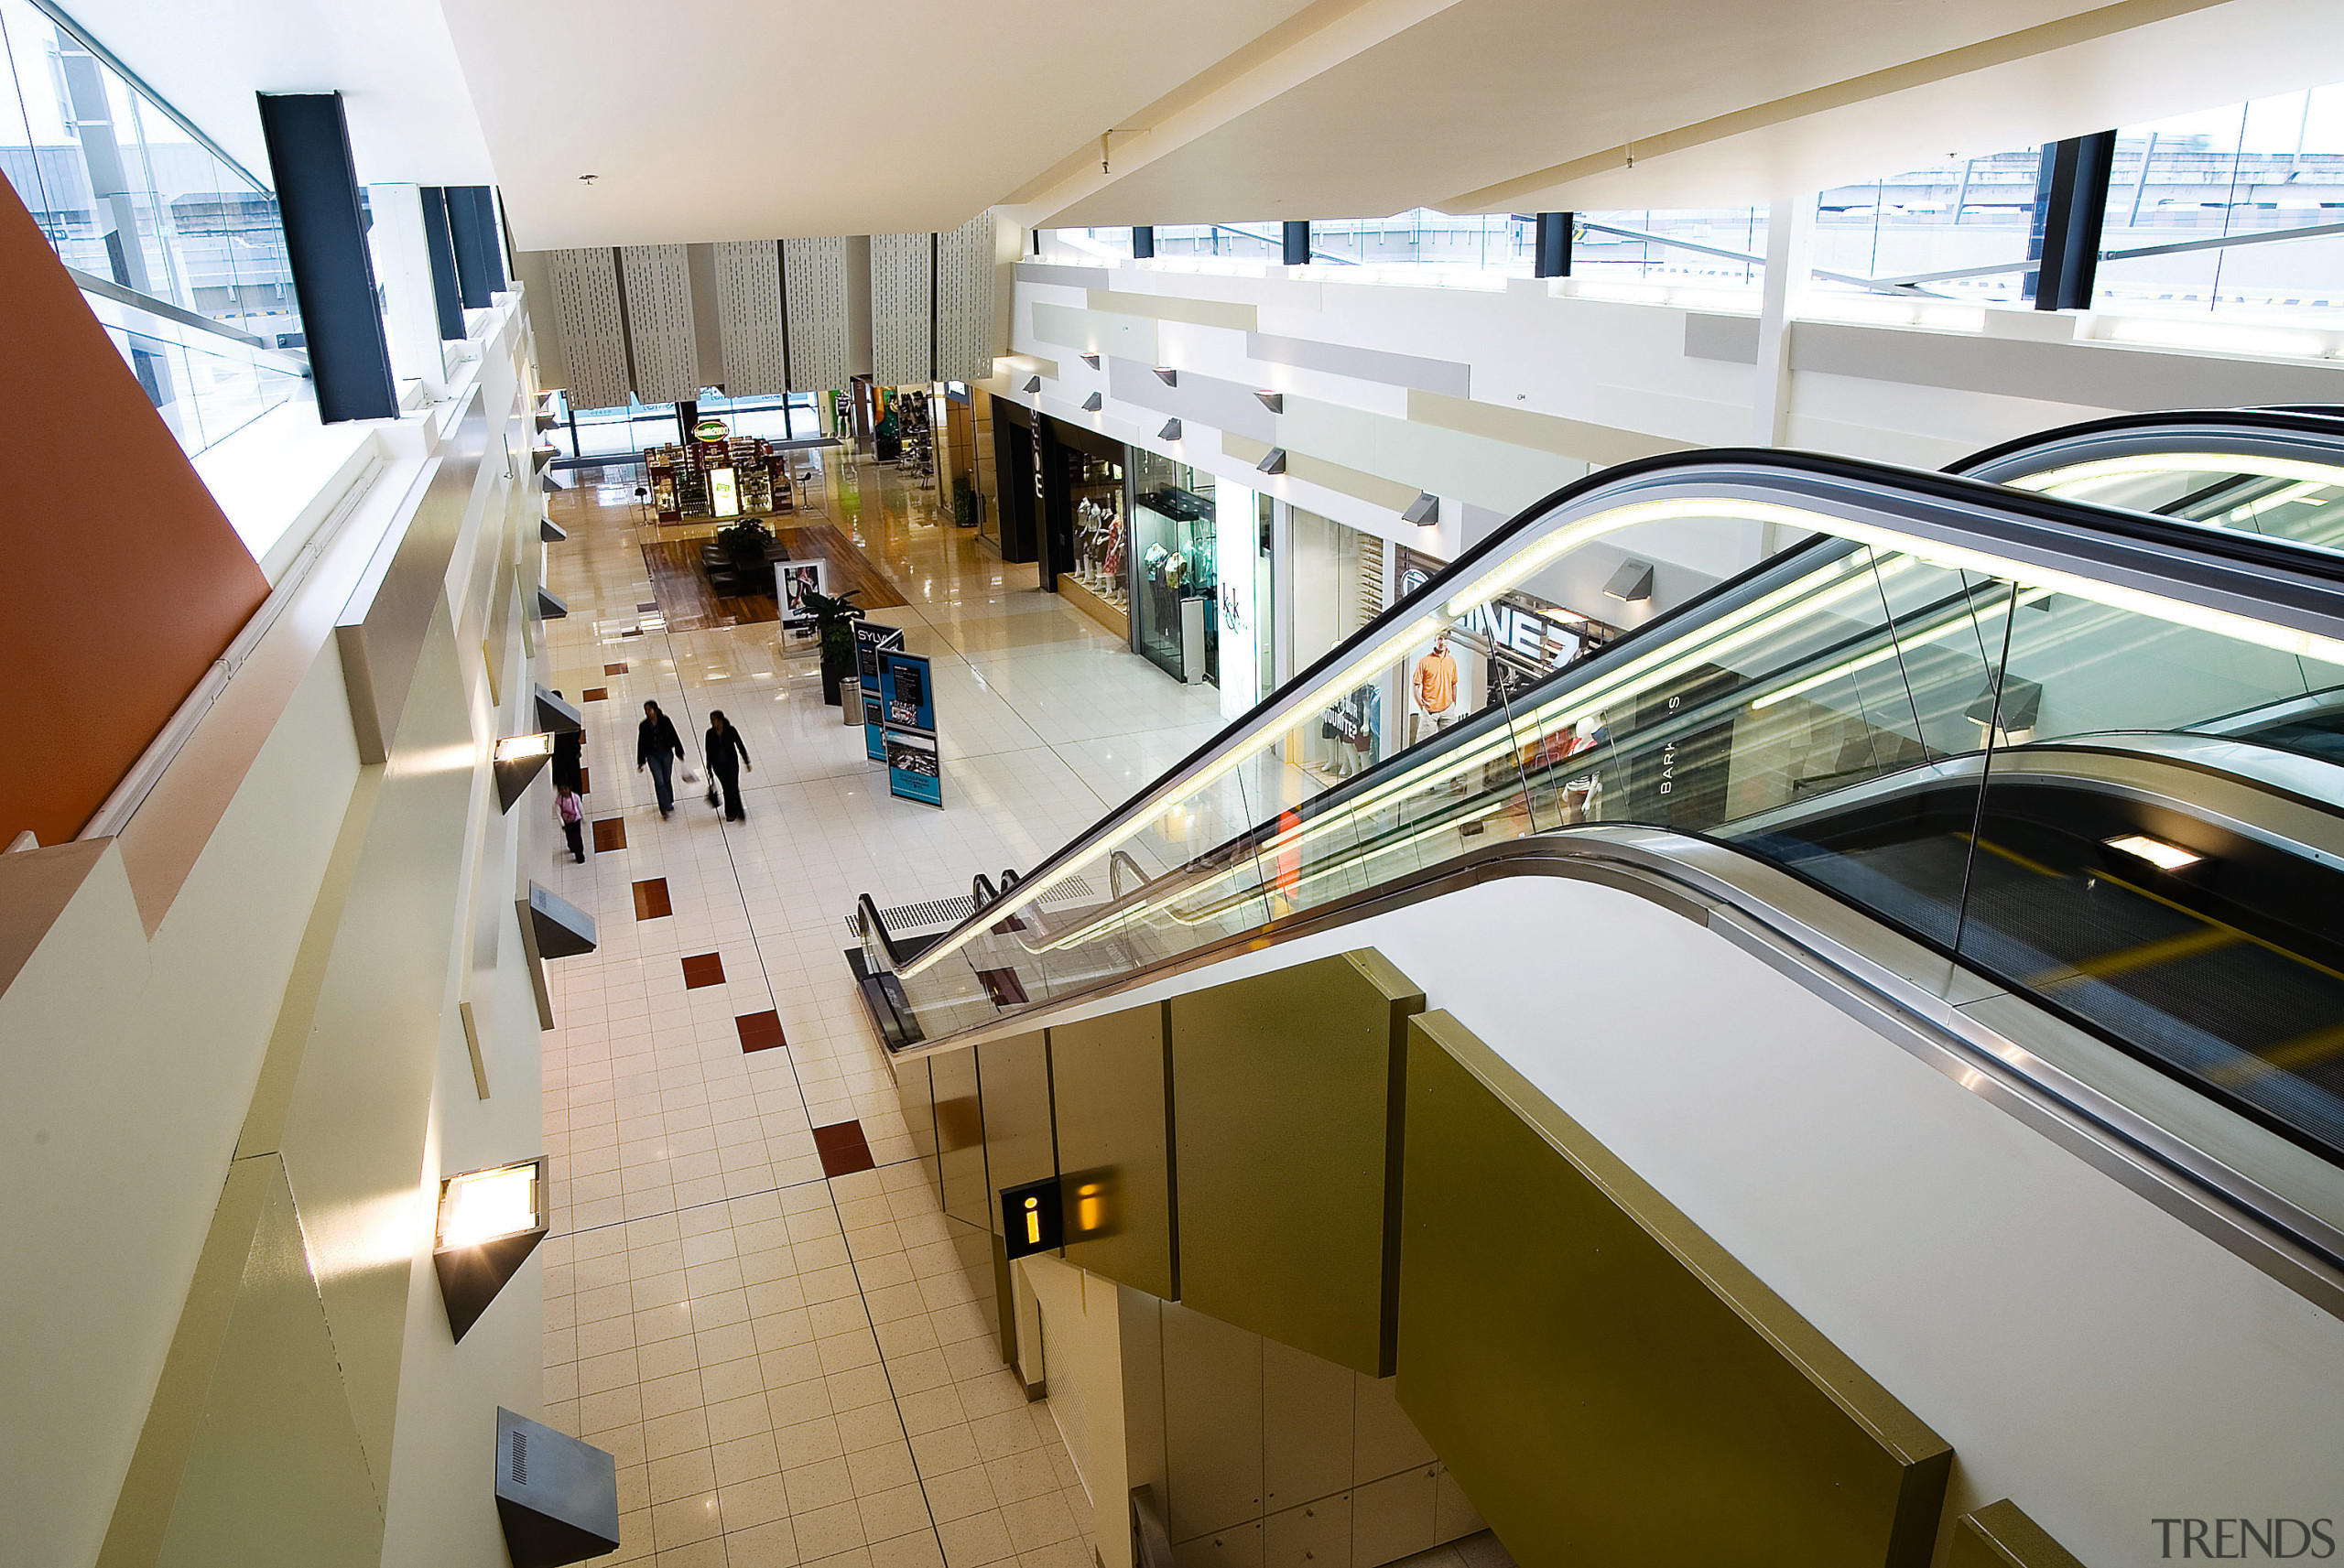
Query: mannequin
point(1435, 688)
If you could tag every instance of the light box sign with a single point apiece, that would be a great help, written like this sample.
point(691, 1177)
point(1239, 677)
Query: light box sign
point(794, 578)
point(870, 640)
point(908, 705)
point(724, 493)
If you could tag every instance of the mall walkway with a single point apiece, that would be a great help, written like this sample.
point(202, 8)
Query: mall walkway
point(789, 1365)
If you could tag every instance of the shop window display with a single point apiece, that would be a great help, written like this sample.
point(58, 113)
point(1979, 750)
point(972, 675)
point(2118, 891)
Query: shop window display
point(1100, 537)
point(1172, 564)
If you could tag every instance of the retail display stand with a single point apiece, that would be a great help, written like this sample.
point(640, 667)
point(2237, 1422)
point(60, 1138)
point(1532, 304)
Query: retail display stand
point(907, 696)
point(871, 640)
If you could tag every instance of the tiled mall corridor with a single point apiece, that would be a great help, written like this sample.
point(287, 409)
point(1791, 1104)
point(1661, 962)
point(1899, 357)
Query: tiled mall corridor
point(789, 1365)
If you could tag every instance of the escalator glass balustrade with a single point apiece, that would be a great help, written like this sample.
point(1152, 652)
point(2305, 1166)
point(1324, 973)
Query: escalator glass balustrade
point(2091, 754)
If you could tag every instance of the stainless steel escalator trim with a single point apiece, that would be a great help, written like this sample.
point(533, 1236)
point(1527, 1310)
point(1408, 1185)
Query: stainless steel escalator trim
point(2234, 433)
point(1907, 993)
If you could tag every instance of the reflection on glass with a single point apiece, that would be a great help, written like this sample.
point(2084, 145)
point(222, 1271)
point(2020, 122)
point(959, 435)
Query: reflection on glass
point(1174, 573)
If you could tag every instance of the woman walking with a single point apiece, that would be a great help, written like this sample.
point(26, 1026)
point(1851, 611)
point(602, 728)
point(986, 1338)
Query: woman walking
point(726, 757)
point(657, 747)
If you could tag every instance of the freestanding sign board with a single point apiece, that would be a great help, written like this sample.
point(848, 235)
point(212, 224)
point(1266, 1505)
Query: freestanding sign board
point(907, 697)
point(870, 639)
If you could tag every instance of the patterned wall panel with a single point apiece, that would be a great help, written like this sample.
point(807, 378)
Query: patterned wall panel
point(659, 320)
point(902, 278)
point(814, 281)
point(964, 300)
point(748, 317)
point(586, 313)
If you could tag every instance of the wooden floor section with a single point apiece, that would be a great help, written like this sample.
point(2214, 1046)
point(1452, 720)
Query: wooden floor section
point(689, 603)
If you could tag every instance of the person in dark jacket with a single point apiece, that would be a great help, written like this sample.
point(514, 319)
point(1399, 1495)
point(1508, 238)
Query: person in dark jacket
point(570, 759)
point(657, 747)
point(726, 757)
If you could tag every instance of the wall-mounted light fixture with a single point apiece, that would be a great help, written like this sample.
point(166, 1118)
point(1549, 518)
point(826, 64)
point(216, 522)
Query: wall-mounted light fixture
point(1273, 401)
point(1033, 384)
point(1093, 404)
point(557, 1497)
point(550, 605)
point(1171, 431)
point(1167, 375)
point(1091, 360)
point(1032, 1218)
point(556, 716)
point(517, 760)
point(551, 532)
point(490, 1221)
point(1425, 510)
point(1631, 584)
point(1275, 463)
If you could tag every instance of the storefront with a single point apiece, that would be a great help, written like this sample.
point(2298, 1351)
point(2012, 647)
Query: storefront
point(1174, 587)
point(1337, 588)
point(1243, 664)
point(1012, 521)
point(1085, 505)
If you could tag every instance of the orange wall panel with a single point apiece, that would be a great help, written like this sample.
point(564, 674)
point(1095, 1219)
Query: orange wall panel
point(121, 578)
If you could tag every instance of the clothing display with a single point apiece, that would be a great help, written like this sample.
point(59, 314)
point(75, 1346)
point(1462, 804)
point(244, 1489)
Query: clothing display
point(1352, 732)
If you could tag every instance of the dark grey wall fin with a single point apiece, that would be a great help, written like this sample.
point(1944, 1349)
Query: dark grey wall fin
point(325, 242)
point(550, 605)
point(472, 1273)
point(557, 1497)
point(516, 765)
point(447, 293)
point(551, 532)
point(558, 927)
point(556, 716)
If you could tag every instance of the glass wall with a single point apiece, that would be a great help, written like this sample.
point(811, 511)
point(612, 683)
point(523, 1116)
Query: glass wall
point(1337, 588)
point(621, 433)
point(131, 196)
point(1175, 569)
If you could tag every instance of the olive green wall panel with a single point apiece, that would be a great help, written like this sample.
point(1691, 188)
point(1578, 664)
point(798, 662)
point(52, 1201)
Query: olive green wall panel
point(1110, 1080)
point(1287, 1101)
point(960, 1138)
point(1013, 1077)
point(1609, 1384)
point(2000, 1536)
point(917, 1090)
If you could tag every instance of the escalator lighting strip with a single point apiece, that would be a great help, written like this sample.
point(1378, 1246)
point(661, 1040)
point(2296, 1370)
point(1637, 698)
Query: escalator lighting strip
point(2165, 857)
point(2153, 466)
point(1961, 620)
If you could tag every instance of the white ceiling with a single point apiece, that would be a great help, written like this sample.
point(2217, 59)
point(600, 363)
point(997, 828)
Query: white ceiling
point(1518, 105)
point(743, 119)
point(410, 116)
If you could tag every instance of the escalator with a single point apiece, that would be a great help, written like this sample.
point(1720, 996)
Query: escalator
point(2069, 723)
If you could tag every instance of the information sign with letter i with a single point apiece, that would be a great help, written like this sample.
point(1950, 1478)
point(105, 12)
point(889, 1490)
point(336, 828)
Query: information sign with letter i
point(870, 638)
point(907, 700)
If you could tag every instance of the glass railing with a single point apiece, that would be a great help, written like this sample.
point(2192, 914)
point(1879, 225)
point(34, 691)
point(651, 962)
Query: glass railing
point(207, 382)
point(1870, 709)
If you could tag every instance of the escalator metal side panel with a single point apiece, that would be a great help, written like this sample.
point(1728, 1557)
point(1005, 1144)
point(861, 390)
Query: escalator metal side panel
point(2260, 1196)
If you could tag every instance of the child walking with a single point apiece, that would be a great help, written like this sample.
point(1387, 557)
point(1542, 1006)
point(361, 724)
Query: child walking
point(572, 812)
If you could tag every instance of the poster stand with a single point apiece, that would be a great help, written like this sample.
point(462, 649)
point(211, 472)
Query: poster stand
point(870, 640)
point(907, 694)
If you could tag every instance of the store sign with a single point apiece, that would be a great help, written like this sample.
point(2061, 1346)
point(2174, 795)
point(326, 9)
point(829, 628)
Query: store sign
point(908, 705)
point(1508, 629)
point(711, 430)
point(724, 493)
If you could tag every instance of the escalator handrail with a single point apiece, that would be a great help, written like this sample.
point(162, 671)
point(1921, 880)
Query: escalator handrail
point(867, 913)
point(2223, 567)
point(2261, 427)
point(1852, 955)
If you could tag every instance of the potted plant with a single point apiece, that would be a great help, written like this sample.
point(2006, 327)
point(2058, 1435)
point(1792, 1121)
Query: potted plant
point(964, 504)
point(834, 621)
point(748, 544)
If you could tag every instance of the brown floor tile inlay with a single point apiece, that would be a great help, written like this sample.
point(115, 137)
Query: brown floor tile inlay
point(703, 969)
point(759, 1031)
point(585, 781)
point(843, 1149)
point(651, 899)
point(647, 609)
point(609, 833)
point(1003, 985)
point(614, 669)
point(598, 694)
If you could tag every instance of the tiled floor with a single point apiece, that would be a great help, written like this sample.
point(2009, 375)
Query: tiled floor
point(789, 1365)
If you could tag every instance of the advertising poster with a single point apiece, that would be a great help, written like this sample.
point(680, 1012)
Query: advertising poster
point(870, 639)
point(908, 704)
point(913, 771)
point(794, 578)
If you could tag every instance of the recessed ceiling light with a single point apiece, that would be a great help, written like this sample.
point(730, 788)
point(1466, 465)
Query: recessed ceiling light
point(2165, 857)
